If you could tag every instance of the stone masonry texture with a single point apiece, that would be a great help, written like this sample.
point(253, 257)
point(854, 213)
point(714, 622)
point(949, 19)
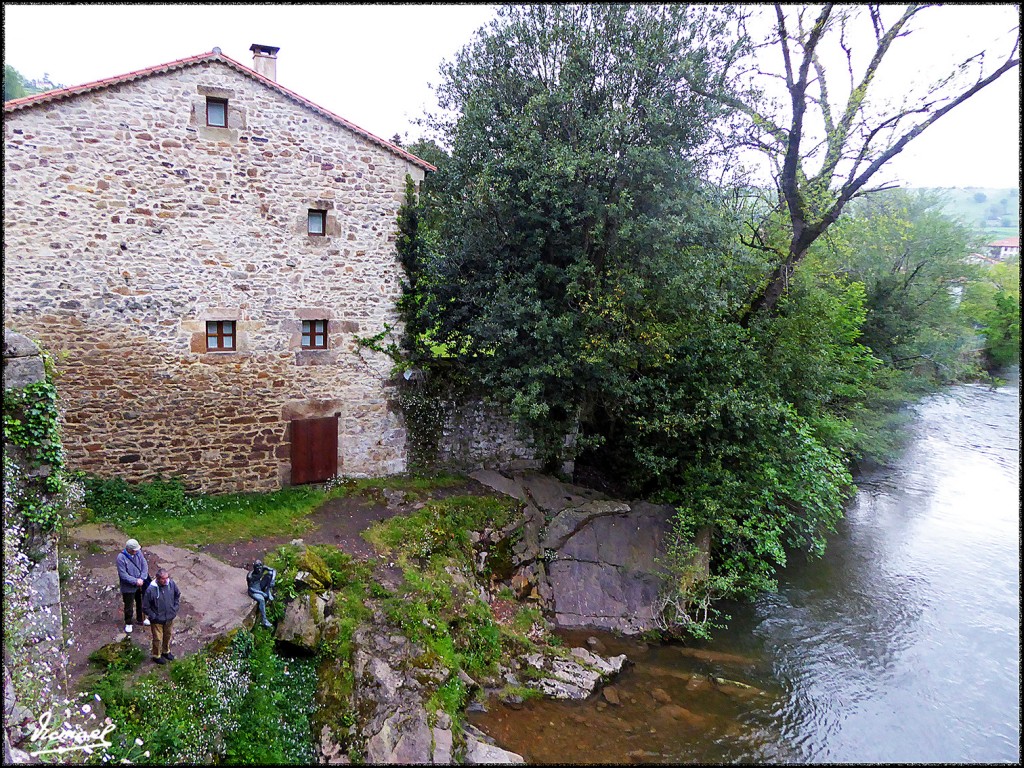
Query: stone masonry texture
point(128, 223)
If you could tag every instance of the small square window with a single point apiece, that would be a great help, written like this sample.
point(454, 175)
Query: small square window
point(217, 113)
point(317, 222)
point(314, 334)
point(220, 335)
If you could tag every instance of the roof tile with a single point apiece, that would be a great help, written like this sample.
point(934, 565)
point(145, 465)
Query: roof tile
point(212, 56)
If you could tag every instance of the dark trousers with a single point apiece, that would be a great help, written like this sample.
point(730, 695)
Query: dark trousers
point(129, 598)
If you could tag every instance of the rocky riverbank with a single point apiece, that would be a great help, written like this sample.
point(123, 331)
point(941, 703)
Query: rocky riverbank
point(563, 556)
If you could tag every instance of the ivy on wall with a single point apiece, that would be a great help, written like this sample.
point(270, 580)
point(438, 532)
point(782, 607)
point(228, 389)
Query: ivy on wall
point(32, 427)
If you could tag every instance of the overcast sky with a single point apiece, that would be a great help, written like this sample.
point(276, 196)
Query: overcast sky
point(374, 64)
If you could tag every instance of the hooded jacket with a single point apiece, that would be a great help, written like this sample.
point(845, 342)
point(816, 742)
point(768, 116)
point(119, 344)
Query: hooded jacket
point(160, 604)
point(129, 568)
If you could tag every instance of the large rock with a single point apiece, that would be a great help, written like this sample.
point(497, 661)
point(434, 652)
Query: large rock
point(596, 560)
point(573, 678)
point(315, 574)
point(303, 622)
point(607, 574)
point(481, 753)
point(389, 693)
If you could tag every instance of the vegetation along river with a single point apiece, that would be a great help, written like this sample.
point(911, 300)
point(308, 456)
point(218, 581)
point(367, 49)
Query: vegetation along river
point(900, 645)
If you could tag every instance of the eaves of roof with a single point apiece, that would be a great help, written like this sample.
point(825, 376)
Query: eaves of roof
point(213, 56)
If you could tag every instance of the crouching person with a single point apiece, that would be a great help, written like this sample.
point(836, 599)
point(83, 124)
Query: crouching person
point(160, 604)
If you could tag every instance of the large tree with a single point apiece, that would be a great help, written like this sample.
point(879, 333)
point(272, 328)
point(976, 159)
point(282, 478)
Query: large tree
point(830, 133)
point(573, 232)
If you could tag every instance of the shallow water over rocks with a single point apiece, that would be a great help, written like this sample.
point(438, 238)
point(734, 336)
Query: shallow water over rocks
point(901, 645)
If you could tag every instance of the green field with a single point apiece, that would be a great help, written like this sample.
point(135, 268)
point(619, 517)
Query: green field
point(993, 212)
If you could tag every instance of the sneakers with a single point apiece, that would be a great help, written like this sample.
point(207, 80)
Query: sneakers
point(159, 660)
point(169, 656)
point(127, 629)
point(145, 623)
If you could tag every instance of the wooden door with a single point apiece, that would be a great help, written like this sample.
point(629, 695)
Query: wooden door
point(314, 450)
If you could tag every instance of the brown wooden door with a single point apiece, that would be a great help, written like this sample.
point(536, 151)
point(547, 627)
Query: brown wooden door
point(314, 450)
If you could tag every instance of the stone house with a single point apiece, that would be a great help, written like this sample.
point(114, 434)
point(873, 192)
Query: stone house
point(200, 248)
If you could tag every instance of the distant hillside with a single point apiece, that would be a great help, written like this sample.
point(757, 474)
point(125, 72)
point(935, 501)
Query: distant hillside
point(994, 212)
point(16, 86)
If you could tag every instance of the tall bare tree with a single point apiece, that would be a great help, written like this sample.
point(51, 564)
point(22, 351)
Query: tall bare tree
point(829, 134)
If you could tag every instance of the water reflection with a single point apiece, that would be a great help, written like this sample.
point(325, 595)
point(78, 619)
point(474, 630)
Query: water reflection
point(902, 645)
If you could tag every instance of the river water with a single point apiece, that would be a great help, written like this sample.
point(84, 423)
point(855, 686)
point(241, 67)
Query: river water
point(901, 645)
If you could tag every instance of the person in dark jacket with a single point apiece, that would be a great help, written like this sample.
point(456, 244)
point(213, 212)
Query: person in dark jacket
point(161, 606)
point(132, 573)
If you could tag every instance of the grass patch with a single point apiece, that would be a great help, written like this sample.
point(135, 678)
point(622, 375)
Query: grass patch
point(237, 703)
point(162, 511)
point(441, 527)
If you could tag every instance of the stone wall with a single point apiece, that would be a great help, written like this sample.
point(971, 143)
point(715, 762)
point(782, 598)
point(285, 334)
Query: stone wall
point(40, 632)
point(479, 435)
point(129, 223)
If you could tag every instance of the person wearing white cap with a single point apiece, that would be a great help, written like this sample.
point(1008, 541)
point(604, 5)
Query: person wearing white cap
point(133, 574)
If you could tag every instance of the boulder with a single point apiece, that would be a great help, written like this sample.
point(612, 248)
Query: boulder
point(303, 622)
point(736, 689)
point(606, 574)
point(315, 573)
point(597, 560)
point(390, 688)
point(22, 363)
point(611, 665)
point(573, 678)
point(481, 753)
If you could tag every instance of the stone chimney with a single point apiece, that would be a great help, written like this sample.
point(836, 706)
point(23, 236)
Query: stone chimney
point(264, 60)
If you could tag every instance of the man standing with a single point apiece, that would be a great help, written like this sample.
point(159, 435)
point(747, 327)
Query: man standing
point(132, 573)
point(161, 606)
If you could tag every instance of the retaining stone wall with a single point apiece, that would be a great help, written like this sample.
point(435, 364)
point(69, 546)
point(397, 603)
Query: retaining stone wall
point(129, 223)
point(23, 365)
point(479, 435)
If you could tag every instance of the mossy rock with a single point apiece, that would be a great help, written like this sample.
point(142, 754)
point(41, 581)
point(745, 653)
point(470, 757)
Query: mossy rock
point(123, 655)
point(319, 573)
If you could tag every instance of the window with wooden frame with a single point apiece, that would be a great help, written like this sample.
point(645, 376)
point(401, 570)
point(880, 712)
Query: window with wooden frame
point(316, 222)
point(314, 334)
point(217, 112)
point(220, 335)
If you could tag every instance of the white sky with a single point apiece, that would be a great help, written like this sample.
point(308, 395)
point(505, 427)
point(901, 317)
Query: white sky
point(373, 65)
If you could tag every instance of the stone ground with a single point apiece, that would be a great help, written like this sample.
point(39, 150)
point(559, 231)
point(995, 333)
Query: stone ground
point(211, 579)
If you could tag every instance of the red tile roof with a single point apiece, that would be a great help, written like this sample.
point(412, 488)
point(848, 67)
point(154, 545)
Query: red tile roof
point(1009, 242)
point(49, 96)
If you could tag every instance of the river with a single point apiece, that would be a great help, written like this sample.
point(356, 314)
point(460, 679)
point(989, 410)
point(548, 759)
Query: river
point(901, 645)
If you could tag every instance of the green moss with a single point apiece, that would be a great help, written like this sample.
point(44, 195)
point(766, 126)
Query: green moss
point(122, 656)
point(314, 564)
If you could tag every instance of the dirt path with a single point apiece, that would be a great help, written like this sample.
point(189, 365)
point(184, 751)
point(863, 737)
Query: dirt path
point(211, 579)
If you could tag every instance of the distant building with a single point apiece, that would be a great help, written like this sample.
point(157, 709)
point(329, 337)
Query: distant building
point(981, 258)
point(1005, 249)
